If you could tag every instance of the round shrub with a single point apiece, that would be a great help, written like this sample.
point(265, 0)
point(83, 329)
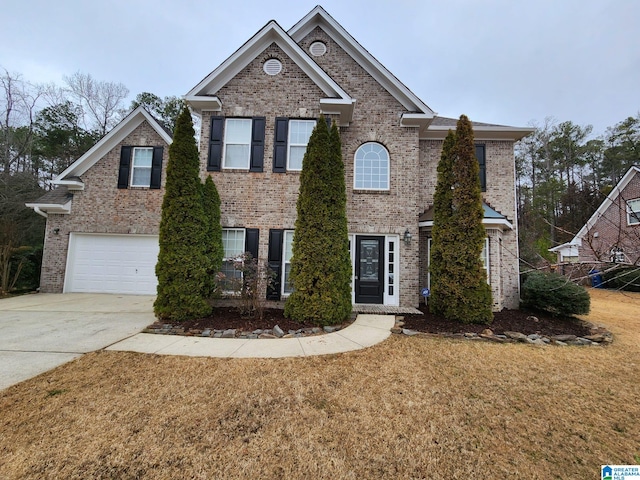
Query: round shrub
point(555, 294)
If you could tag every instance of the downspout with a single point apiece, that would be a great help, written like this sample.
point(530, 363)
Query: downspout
point(40, 212)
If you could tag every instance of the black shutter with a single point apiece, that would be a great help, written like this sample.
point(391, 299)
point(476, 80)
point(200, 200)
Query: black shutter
point(156, 167)
point(257, 144)
point(215, 144)
point(251, 241)
point(328, 122)
point(125, 165)
point(280, 145)
point(275, 263)
point(480, 155)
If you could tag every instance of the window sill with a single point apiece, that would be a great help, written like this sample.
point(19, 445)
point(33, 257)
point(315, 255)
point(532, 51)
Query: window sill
point(365, 192)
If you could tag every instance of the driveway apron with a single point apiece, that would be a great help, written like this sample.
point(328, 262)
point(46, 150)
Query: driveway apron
point(39, 332)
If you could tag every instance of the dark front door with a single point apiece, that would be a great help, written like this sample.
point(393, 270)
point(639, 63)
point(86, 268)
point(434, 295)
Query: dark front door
point(369, 269)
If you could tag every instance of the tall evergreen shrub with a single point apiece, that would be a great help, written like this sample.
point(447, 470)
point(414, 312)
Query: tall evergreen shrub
point(321, 265)
point(461, 288)
point(182, 267)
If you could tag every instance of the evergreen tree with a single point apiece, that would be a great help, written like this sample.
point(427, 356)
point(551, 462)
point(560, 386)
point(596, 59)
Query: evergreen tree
point(182, 267)
point(442, 231)
point(215, 249)
point(461, 288)
point(321, 265)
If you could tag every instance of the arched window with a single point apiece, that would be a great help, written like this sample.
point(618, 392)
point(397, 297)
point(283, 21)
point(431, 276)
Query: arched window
point(371, 167)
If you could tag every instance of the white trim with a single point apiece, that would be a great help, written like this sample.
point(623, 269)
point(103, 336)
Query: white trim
point(45, 208)
point(336, 99)
point(108, 142)
point(487, 222)
point(480, 132)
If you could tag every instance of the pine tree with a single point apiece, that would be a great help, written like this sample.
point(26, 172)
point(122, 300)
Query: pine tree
point(182, 266)
point(321, 265)
point(215, 249)
point(459, 284)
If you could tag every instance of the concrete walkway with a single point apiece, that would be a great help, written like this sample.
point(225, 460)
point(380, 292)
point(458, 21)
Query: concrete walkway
point(366, 331)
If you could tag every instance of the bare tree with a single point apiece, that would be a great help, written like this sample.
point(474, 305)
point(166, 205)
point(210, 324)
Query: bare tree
point(102, 102)
point(18, 100)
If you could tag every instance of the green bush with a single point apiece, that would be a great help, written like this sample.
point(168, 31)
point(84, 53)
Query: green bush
point(553, 293)
point(623, 278)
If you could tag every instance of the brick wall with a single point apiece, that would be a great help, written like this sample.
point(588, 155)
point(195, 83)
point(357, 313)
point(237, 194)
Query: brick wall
point(268, 200)
point(103, 208)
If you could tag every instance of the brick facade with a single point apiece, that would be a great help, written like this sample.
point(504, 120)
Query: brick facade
point(103, 208)
point(267, 200)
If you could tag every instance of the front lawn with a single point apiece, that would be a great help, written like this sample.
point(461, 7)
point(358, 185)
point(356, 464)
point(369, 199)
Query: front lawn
point(408, 408)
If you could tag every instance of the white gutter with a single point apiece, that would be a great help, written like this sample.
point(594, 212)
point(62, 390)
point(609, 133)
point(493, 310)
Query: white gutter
point(40, 212)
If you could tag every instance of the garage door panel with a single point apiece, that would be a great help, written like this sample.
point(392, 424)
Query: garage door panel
point(101, 263)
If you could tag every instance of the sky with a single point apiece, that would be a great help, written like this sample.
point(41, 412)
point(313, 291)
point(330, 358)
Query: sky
point(508, 62)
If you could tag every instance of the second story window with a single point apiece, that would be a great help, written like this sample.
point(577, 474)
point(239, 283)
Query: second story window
point(371, 167)
point(299, 134)
point(141, 167)
point(237, 143)
point(633, 212)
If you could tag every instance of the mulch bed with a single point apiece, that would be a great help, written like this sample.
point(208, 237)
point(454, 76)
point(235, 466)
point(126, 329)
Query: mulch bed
point(505, 321)
point(522, 321)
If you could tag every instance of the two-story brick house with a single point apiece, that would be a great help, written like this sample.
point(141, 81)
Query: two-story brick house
point(258, 109)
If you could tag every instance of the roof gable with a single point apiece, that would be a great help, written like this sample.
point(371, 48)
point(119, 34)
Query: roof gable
point(132, 121)
point(606, 203)
point(318, 17)
point(337, 101)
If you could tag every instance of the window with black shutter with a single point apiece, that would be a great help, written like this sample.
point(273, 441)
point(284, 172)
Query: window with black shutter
point(480, 155)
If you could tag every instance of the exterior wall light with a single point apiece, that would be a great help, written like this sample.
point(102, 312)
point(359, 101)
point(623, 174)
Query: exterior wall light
point(407, 237)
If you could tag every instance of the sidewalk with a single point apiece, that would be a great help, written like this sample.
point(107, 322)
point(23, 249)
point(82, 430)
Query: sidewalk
point(367, 330)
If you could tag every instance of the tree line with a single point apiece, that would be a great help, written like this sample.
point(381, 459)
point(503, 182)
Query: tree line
point(563, 173)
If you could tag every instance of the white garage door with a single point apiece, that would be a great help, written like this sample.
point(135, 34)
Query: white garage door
point(112, 264)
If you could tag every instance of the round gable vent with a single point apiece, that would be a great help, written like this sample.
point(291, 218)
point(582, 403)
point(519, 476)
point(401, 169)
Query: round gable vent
point(318, 49)
point(273, 66)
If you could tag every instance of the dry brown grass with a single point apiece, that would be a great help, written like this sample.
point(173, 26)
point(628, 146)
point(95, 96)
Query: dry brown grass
point(408, 408)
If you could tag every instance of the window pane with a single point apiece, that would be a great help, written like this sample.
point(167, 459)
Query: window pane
point(233, 242)
point(142, 157)
point(634, 212)
point(236, 156)
point(296, 155)
point(141, 177)
point(238, 130)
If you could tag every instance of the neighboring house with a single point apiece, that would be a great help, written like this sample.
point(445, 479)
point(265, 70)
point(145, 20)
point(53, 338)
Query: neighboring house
point(258, 109)
point(612, 234)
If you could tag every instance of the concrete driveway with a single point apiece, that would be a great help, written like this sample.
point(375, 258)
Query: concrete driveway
point(41, 331)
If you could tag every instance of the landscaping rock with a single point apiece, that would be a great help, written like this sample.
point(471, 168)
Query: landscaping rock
point(408, 332)
point(516, 336)
point(563, 338)
point(330, 328)
point(531, 318)
point(278, 332)
point(231, 333)
point(600, 337)
point(266, 335)
point(487, 331)
point(396, 330)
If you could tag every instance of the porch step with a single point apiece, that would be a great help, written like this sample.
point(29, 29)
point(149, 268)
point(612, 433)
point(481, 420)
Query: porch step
point(385, 309)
